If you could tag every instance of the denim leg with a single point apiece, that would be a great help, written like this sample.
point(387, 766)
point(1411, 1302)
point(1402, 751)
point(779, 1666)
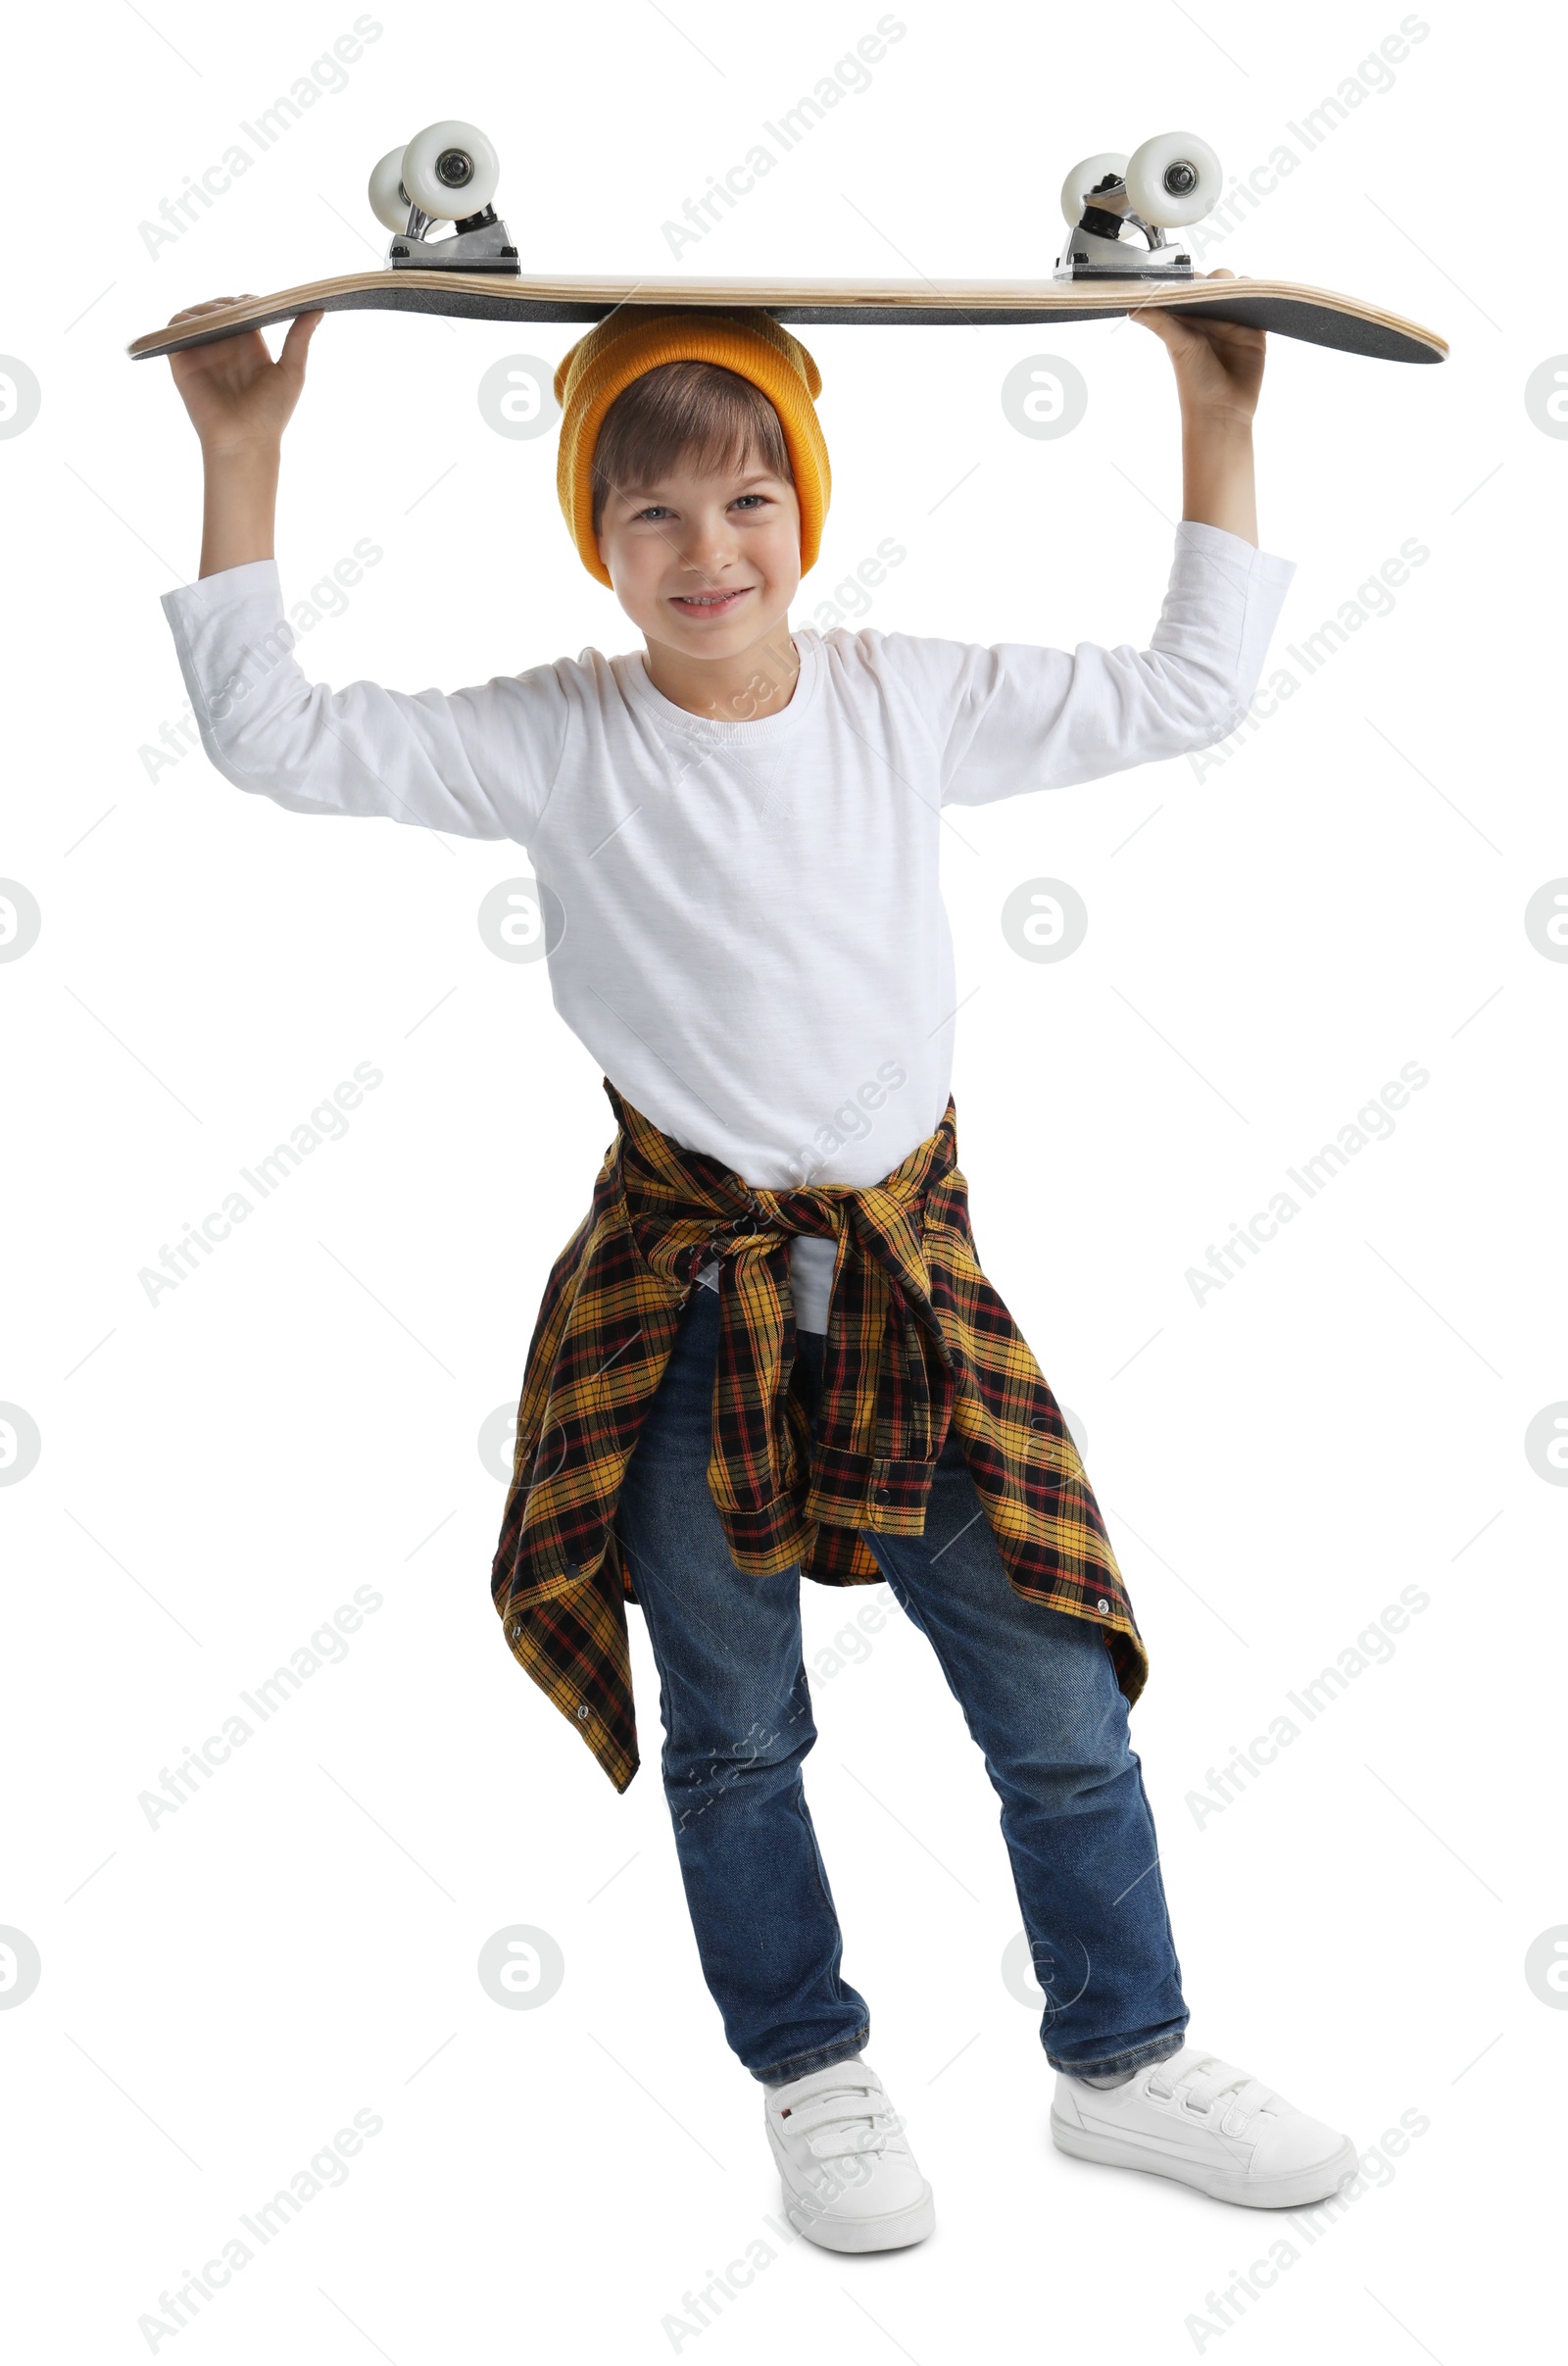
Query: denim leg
point(1040, 1698)
point(738, 1724)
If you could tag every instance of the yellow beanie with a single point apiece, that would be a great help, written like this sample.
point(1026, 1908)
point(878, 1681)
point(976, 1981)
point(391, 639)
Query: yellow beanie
point(636, 339)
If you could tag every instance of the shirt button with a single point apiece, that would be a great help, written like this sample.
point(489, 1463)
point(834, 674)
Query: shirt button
point(1104, 1604)
point(583, 1713)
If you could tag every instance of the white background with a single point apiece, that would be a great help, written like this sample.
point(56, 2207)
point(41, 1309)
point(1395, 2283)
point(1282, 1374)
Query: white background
point(1343, 895)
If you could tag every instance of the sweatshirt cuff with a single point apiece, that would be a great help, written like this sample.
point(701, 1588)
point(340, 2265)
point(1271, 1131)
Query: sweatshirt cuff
point(1232, 593)
point(1244, 567)
point(228, 629)
point(254, 584)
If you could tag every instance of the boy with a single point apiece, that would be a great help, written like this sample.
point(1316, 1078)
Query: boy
point(768, 1350)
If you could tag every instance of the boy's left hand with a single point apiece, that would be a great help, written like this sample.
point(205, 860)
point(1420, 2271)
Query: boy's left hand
point(1218, 364)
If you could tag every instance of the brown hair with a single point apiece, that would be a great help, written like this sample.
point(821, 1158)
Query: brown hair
point(697, 411)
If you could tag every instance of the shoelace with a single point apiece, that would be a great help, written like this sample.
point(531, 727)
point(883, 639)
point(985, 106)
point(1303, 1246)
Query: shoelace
point(1206, 2081)
point(839, 2120)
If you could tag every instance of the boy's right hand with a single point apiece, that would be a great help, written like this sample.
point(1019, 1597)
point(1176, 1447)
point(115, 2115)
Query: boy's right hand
point(239, 399)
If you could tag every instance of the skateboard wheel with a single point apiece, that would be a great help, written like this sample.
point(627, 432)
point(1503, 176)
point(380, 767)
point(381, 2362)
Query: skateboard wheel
point(1082, 179)
point(1173, 180)
point(450, 171)
point(389, 199)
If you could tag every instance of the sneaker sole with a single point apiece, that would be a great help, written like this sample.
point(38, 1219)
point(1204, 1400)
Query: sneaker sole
point(1283, 2192)
point(891, 2233)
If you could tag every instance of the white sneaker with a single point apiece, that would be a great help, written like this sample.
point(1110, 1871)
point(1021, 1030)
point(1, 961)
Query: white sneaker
point(849, 2179)
point(1205, 2122)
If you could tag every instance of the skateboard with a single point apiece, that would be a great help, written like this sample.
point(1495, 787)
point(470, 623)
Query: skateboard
point(1118, 257)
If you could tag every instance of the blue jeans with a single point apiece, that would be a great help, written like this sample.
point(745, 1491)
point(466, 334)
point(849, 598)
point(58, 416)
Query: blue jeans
point(1038, 1693)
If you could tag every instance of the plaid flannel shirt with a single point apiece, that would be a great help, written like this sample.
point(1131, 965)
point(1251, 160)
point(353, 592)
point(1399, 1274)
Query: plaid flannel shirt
point(917, 1340)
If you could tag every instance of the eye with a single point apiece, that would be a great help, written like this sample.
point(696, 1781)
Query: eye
point(655, 508)
point(763, 498)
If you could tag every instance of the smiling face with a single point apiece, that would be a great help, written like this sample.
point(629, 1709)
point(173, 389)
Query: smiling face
point(704, 565)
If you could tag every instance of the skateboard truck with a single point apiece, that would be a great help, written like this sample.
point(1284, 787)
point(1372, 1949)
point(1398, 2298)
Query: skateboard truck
point(1168, 182)
point(447, 173)
point(479, 242)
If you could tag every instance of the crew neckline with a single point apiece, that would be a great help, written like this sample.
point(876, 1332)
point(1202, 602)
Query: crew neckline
point(707, 726)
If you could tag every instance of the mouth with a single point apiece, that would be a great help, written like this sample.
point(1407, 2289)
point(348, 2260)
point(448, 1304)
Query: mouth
point(709, 604)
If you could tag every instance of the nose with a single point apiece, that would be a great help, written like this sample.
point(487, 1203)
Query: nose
point(707, 546)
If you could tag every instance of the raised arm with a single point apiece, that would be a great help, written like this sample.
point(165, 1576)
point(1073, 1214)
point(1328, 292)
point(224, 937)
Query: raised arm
point(479, 763)
point(1219, 372)
point(241, 400)
point(1017, 717)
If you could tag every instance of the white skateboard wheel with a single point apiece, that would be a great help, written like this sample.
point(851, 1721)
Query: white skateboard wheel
point(1174, 179)
point(389, 199)
point(450, 169)
point(1082, 179)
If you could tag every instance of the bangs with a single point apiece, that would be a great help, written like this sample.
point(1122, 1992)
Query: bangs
point(696, 412)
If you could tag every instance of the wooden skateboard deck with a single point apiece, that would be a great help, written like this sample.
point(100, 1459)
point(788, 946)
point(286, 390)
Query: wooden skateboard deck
point(1310, 313)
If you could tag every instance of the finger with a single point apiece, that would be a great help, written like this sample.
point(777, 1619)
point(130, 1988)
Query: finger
point(301, 330)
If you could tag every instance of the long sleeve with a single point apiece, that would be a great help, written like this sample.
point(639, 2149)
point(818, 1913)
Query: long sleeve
point(478, 762)
point(1013, 718)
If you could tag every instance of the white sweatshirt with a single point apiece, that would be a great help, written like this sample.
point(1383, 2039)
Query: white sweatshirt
point(744, 920)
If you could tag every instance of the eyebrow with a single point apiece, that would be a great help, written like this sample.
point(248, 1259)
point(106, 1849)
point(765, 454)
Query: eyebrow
point(757, 477)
